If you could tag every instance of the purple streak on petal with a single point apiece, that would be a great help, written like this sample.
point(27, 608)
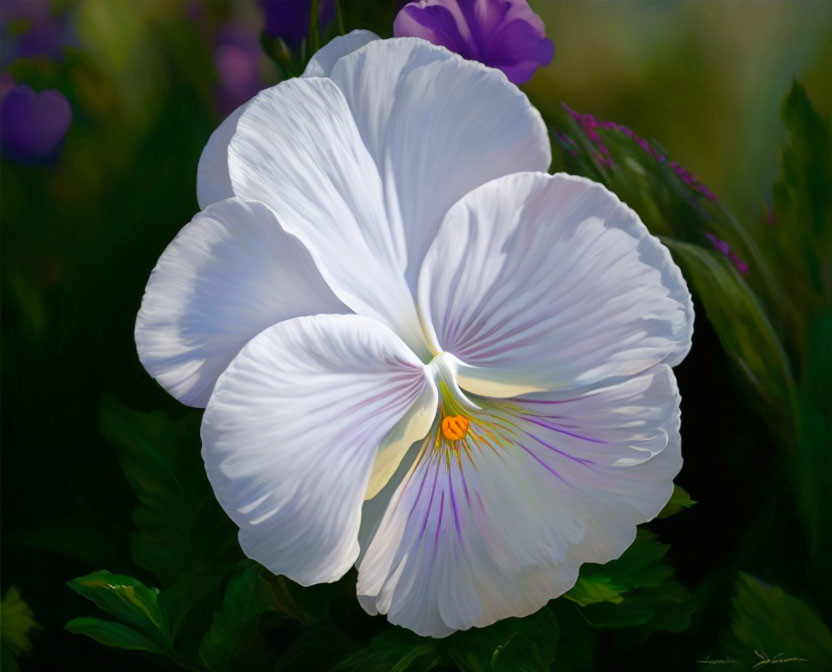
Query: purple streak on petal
point(32, 125)
point(542, 463)
point(503, 34)
point(439, 519)
point(289, 19)
point(418, 494)
point(430, 502)
point(454, 507)
point(556, 428)
point(465, 486)
point(543, 443)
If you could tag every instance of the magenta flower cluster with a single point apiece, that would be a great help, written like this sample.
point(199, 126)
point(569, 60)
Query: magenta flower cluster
point(725, 249)
point(589, 125)
point(601, 153)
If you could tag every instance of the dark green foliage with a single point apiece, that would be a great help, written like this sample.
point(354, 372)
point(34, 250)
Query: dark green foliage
point(144, 624)
point(247, 597)
point(180, 525)
point(638, 589)
point(525, 645)
point(679, 501)
point(394, 651)
point(739, 319)
point(767, 623)
point(522, 645)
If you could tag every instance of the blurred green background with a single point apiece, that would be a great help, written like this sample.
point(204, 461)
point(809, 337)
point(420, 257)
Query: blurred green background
point(148, 80)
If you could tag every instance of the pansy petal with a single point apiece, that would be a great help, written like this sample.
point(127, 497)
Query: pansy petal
point(497, 523)
point(321, 64)
point(213, 183)
point(213, 180)
point(542, 282)
point(228, 275)
point(297, 149)
point(437, 126)
point(291, 433)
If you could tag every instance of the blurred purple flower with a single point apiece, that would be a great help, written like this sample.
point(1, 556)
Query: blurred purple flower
point(45, 38)
point(504, 34)
point(237, 60)
point(723, 248)
point(289, 19)
point(29, 10)
point(32, 125)
point(45, 33)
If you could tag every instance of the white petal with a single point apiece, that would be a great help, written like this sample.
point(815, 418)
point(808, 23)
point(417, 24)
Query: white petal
point(437, 126)
point(320, 65)
point(395, 445)
point(212, 180)
point(291, 432)
point(498, 523)
point(228, 275)
point(297, 150)
point(548, 282)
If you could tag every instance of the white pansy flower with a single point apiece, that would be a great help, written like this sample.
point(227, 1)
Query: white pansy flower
point(419, 353)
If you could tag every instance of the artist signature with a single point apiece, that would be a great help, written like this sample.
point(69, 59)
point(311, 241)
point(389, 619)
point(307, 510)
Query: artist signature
point(762, 661)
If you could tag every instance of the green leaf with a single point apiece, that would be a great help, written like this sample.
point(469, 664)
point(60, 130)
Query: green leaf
point(17, 622)
point(637, 589)
point(770, 624)
point(802, 209)
point(8, 663)
point(679, 500)
point(578, 640)
point(180, 525)
point(130, 601)
point(800, 241)
point(394, 651)
point(514, 644)
point(247, 597)
point(593, 590)
point(113, 634)
point(739, 320)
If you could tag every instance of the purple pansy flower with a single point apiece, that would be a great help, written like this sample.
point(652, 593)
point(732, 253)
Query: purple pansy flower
point(237, 60)
point(32, 125)
point(289, 19)
point(504, 34)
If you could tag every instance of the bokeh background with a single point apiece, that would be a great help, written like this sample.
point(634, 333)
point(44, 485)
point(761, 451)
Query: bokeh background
point(84, 221)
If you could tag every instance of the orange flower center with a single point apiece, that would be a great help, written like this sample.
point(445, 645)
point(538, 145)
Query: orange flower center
point(454, 427)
